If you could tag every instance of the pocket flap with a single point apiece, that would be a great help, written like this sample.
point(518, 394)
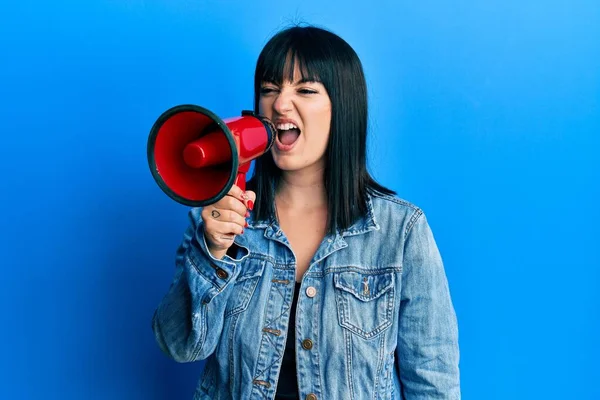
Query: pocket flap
point(364, 287)
point(251, 268)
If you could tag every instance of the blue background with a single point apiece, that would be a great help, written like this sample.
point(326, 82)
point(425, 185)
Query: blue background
point(484, 113)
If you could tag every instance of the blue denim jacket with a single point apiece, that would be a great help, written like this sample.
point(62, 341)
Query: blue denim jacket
point(374, 318)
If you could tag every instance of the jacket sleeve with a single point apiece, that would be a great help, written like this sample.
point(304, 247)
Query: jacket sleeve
point(427, 352)
point(188, 321)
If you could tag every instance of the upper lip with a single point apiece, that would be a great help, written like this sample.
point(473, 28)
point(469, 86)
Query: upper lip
point(285, 121)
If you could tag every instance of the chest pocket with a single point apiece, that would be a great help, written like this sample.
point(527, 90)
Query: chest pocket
point(244, 286)
point(365, 302)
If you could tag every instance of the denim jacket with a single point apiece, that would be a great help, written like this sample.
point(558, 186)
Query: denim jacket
point(374, 317)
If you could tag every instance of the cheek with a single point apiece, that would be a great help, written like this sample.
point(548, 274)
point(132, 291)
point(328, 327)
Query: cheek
point(326, 120)
point(264, 107)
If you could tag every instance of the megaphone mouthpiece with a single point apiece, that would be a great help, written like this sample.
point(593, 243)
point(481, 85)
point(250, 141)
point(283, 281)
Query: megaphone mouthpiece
point(207, 151)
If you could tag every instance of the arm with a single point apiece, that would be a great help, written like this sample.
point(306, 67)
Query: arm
point(427, 352)
point(188, 321)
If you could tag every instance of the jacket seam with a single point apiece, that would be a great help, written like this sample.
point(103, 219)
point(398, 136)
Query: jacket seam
point(349, 366)
point(231, 335)
point(396, 200)
point(413, 219)
point(379, 368)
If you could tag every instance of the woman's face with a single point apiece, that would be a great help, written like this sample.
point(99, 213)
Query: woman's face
point(301, 111)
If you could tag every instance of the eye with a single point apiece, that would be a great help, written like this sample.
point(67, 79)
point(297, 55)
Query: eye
point(307, 91)
point(267, 90)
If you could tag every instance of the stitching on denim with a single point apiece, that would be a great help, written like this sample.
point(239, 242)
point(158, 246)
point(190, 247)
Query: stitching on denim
point(203, 333)
point(413, 219)
point(326, 253)
point(369, 222)
point(261, 345)
point(351, 289)
point(317, 313)
point(247, 273)
point(271, 339)
point(390, 378)
point(284, 266)
point(349, 367)
point(357, 330)
point(395, 200)
point(380, 364)
point(261, 256)
point(351, 268)
point(197, 268)
point(204, 385)
point(285, 308)
point(232, 327)
point(273, 261)
point(250, 289)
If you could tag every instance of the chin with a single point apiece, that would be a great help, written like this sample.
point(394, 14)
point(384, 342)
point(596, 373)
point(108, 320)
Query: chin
point(285, 164)
point(292, 164)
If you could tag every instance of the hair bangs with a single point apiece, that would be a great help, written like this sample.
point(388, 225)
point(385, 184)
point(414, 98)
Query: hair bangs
point(281, 57)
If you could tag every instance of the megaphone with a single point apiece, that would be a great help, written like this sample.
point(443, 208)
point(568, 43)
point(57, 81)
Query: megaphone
point(196, 157)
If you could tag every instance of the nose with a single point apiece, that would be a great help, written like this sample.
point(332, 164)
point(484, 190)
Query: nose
point(283, 103)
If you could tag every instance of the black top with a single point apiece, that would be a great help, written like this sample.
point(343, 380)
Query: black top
point(287, 386)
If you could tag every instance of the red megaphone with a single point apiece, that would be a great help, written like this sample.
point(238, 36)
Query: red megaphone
point(195, 156)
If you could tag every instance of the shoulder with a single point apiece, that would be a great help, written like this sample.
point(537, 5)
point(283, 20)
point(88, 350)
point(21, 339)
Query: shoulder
point(393, 211)
point(386, 203)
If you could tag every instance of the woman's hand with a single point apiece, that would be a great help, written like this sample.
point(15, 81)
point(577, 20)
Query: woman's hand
point(226, 218)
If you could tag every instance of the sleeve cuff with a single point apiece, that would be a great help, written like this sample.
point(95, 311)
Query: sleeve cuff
point(220, 272)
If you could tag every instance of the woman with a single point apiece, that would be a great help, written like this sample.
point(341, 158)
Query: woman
point(318, 283)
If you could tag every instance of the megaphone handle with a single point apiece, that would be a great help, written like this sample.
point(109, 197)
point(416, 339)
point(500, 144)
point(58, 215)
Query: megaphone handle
point(240, 180)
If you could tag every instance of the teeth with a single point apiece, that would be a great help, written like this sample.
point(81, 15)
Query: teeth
point(286, 126)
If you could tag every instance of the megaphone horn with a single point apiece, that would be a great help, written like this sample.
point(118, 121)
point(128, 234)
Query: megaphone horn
point(196, 157)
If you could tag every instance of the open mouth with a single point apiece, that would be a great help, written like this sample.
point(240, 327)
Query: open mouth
point(287, 134)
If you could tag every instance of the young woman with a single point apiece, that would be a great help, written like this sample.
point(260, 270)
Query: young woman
point(317, 282)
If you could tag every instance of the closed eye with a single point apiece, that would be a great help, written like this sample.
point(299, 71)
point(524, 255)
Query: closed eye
point(267, 90)
point(307, 91)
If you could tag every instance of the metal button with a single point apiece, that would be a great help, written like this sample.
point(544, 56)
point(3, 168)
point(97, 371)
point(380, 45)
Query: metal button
point(311, 291)
point(307, 344)
point(221, 273)
point(311, 396)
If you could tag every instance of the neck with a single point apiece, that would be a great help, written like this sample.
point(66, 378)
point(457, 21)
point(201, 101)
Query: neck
point(302, 190)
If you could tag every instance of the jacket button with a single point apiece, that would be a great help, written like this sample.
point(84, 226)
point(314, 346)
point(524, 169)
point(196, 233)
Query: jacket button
point(307, 344)
point(311, 396)
point(311, 291)
point(221, 273)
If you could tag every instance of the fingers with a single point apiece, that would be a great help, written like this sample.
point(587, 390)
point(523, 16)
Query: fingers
point(237, 193)
point(227, 217)
point(248, 197)
point(220, 234)
point(223, 220)
point(218, 241)
point(251, 199)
